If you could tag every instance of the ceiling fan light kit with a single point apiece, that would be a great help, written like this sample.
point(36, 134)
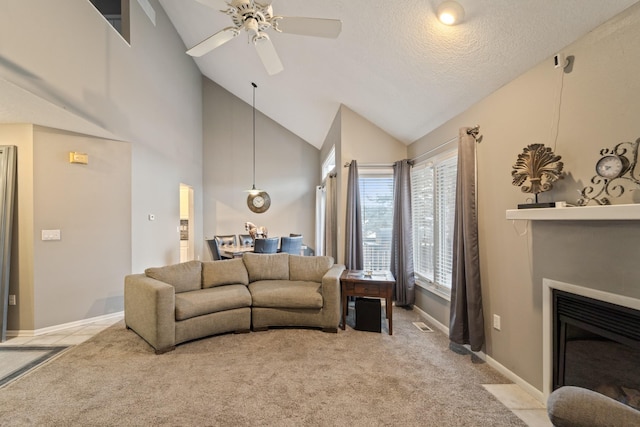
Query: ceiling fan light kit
point(450, 13)
point(256, 18)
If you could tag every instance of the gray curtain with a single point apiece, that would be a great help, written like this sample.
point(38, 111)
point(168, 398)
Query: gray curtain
point(401, 237)
point(330, 218)
point(354, 258)
point(466, 321)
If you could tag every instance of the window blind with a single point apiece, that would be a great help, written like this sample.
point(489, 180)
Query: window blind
point(376, 197)
point(433, 194)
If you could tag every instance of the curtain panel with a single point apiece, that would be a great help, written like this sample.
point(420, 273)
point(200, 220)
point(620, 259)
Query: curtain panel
point(330, 218)
point(354, 258)
point(402, 236)
point(466, 320)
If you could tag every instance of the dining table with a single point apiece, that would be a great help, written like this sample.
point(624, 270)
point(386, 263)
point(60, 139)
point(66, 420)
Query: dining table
point(231, 251)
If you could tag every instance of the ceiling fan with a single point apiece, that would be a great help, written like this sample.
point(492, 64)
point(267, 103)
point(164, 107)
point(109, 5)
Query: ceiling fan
point(256, 18)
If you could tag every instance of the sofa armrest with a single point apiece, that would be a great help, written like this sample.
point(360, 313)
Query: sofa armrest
point(331, 295)
point(149, 309)
point(580, 407)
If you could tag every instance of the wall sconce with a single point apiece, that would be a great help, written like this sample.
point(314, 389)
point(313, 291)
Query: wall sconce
point(81, 158)
point(450, 13)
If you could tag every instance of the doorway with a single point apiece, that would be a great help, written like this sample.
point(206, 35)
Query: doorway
point(186, 223)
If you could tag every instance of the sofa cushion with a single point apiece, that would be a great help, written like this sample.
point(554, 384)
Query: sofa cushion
point(266, 266)
point(309, 268)
point(285, 294)
point(183, 277)
point(227, 272)
point(212, 300)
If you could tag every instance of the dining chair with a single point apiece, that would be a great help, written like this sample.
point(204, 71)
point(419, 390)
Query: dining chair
point(245, 240)
point(227, 240)
point(215, 251)
point(266, 246)
point(291, 245)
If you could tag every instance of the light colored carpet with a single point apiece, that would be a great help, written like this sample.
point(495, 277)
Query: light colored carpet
point(282, 377)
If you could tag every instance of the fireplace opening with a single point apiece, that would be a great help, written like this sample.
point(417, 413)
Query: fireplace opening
point(596, 345)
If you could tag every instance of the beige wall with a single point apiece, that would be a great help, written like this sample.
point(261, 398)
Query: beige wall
point(287, 167)
point(600, 106)
point(81, 274)
point(366, 143)
point(148, 93)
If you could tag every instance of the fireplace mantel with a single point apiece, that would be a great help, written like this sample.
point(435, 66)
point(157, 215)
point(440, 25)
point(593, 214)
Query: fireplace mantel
point(608, 212)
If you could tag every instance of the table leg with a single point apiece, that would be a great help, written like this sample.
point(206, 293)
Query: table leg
point(344, 310)
point(389, 314)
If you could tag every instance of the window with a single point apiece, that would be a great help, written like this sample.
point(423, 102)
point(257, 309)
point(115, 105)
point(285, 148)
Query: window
point(116, 12)
point(376, 198)
point(433, 195)
point(329, 163)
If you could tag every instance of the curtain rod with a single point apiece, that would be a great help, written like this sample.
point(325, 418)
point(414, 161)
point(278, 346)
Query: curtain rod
point(371, 165)
point(471, 131)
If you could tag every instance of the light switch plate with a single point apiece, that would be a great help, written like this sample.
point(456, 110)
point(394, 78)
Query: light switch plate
point(50, 234)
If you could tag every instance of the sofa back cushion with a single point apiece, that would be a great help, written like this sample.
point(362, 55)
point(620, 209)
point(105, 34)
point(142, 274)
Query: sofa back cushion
point(266, 266)
point(186, 276)
point(309, 268)
point(228, 272)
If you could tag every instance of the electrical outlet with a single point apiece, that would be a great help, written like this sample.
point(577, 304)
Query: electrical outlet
point(496, 322)
point(12, 300)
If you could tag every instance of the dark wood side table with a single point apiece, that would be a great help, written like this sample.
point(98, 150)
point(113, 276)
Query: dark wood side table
point(377, 285)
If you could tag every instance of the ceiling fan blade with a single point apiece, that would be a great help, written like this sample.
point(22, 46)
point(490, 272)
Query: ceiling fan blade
point(316, 27)
point(216, 40)
point(216, 4)
point(268, 55)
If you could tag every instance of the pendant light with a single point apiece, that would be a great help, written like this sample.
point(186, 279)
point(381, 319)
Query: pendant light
point(258, 201)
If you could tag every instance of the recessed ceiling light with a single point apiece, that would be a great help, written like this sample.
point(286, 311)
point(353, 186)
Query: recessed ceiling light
point(450, 13)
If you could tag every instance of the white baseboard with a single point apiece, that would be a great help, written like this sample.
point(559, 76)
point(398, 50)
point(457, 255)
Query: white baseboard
point(56, 328)
point(534, 392)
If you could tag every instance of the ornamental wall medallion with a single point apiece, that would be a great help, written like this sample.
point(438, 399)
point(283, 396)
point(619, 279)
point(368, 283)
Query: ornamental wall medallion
point(536, 169)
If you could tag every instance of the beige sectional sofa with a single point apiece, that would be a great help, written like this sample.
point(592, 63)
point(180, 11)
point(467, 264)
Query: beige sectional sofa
point(174, 304)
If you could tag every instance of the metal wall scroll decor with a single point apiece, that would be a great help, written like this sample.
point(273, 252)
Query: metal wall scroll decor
point(536, 169)
point(615, 167)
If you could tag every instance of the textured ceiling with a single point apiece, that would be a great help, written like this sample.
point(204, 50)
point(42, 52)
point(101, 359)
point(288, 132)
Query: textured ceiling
point(394, 63)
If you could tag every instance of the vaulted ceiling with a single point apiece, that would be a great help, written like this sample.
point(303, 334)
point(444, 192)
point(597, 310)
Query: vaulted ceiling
point(394, 63)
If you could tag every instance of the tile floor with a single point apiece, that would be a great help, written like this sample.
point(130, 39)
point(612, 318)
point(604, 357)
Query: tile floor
point(521, 403)
point(69, 336)
point(528, 409)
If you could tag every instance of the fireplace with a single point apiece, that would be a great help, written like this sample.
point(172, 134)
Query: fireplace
point(595, 345)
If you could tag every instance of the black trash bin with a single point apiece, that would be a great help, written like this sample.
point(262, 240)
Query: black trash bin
point(368, 317)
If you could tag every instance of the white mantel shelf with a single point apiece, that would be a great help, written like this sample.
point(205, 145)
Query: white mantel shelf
point(577, 213)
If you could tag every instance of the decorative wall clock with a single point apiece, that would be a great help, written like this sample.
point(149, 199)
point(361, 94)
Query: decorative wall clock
point(616, 167)
point(535, 171)
point(259, 202)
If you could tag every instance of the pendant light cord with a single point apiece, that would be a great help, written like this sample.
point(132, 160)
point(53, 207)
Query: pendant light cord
point(254, 134)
